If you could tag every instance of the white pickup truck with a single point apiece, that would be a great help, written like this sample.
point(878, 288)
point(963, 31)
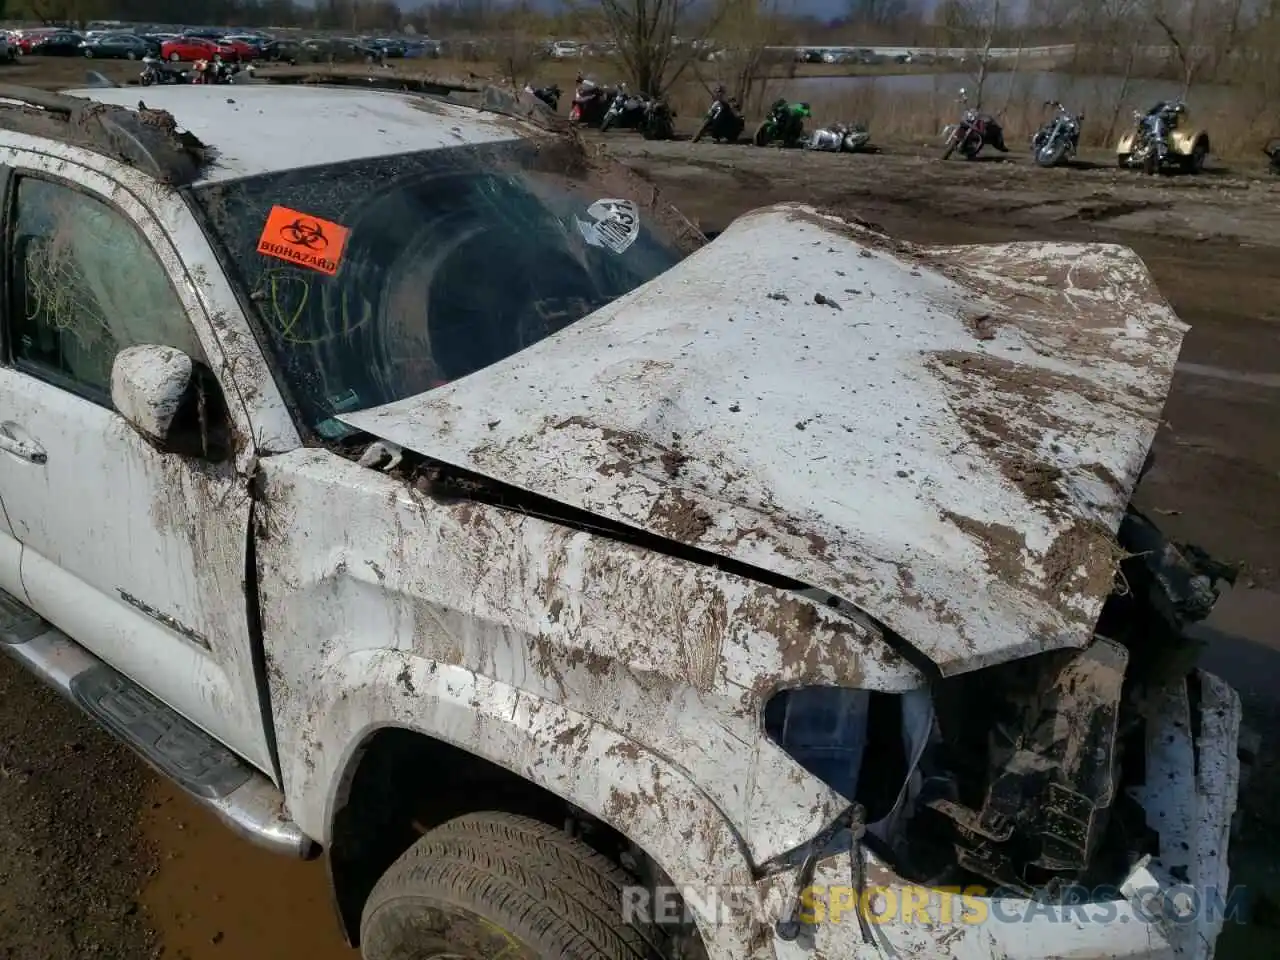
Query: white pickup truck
point(410, 484)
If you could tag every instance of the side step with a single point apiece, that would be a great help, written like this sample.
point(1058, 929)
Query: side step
point(241, 796)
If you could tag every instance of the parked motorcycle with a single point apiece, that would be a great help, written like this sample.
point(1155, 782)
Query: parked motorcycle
point(974, 131)
point(659, 121)
point(1272, 150)
point(156, 71)
point(1160, 138)
point(1058, 140)
point(840, 138)
point(589, 105)
point(723, 122)
point(548, 95)
point(626, 110)
point(219, 71)
point(785, 122)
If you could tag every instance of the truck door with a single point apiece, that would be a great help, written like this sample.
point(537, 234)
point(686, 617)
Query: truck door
point(138, 556)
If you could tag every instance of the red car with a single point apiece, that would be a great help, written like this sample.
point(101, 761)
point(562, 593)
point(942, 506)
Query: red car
point(243, 50)
point(195, 48)
point(24, 39)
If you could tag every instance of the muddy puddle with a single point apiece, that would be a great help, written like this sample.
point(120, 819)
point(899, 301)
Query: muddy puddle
point(217, 896)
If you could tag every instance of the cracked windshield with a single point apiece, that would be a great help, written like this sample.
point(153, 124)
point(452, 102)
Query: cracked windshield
point(377, 280)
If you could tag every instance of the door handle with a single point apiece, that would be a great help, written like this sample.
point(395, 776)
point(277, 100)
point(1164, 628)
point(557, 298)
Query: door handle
point(11, 441)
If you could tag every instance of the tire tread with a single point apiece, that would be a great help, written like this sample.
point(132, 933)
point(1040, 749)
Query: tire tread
point(521, 873)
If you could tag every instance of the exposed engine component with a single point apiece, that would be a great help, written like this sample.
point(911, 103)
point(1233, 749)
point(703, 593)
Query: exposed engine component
point(1023, 776)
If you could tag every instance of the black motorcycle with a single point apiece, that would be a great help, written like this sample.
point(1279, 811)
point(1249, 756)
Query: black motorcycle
point(548, 95)
point(627, 111)
point(1058, 140)
point(659, 121)
point(156, 71)
point(723, 122)
point(1272, 150)
point(974, 131)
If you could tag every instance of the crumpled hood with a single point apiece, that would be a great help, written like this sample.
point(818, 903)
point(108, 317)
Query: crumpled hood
point(946, 438)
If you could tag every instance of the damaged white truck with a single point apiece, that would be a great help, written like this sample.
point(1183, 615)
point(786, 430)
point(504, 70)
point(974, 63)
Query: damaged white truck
point(411, 485)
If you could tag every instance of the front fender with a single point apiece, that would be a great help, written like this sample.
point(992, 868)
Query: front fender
point(612, 777)
point(355, 567)
point(1126, 143)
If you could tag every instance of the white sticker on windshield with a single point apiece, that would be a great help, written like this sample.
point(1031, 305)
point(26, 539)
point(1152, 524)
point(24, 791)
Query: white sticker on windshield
point(615, 224)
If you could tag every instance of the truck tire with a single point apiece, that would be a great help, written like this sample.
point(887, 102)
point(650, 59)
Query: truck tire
point(490, 884)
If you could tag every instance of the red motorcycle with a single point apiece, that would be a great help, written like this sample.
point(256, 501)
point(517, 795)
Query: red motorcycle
point(589, 105)
point(974, 131)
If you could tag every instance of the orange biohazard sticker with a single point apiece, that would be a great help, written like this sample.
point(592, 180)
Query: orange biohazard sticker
point(303, 240)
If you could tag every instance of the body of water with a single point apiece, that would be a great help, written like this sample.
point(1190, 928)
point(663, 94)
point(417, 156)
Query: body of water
point(1077, 92)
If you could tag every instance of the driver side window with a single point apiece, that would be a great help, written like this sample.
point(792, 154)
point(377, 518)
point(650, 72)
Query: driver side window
point(85, 284)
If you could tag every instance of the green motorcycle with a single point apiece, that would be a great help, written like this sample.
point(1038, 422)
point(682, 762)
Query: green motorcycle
point(784, 122)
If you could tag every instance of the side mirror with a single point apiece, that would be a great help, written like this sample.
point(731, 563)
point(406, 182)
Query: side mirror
point(171, 401)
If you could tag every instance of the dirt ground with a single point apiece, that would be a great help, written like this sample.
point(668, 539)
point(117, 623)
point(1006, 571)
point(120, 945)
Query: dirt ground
point(97, 858)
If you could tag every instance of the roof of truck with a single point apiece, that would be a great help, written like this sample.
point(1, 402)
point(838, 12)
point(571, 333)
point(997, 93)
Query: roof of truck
point(263, 128)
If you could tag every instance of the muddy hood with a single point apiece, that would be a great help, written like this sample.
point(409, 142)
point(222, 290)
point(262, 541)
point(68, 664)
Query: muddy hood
point(946, 438)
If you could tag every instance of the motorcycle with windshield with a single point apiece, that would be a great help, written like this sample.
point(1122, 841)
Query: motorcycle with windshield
point(1058, 140)
point(723, 122)
point(1150, 149)
point(626, 110)
point(974, 131)
point(785, 122)
point(1163, 137)
point(156, 71)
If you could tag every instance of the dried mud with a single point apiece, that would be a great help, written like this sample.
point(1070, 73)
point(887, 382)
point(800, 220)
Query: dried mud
point(89, 868)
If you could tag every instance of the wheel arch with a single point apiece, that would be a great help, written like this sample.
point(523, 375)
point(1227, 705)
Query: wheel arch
point(513, 759)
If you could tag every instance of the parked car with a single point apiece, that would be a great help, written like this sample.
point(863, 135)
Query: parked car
point(566, 50)
point(63, 43)
point(336, 49)
point(388, 558)
point(118, 46)
point(256, 43)
point(241, 47)
point(425, 49)
point(25, 39)
point(393, 49)
point(195, 48)
point(286, 51)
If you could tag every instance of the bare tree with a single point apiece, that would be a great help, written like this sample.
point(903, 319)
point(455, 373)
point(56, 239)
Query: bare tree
point(647, 36)
point(973, 24)
point(516, 47)
point(752, 35)
point(1186, 55)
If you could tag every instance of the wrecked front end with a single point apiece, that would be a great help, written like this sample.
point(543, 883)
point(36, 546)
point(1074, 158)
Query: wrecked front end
point(941, 445)
point(1073, 803)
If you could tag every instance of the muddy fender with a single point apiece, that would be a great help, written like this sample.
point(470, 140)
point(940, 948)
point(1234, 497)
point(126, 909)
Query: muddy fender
point(610, 776)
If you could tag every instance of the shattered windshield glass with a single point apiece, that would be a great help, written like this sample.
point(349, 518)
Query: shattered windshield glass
point(375, 280)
